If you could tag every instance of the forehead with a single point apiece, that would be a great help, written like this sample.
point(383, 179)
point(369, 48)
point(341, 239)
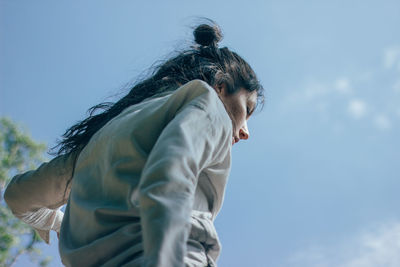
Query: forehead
point(250, 97)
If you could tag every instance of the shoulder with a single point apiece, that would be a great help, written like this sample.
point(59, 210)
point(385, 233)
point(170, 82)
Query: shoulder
point(201, 95)
point(199, 91)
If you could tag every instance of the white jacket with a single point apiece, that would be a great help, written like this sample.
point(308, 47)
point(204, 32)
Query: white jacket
point(145, 189)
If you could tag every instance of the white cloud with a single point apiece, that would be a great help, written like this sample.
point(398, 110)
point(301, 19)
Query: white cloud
point(339, 94)
point(357, 108)
point(382, 122)
point(376, 247)
point(342, 85)
point(392, 57)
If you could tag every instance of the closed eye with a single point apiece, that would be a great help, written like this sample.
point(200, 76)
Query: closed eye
point(250, 106)
point(249, 111)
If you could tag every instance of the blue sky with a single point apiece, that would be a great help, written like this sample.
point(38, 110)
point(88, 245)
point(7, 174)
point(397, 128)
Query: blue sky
point(316, 184)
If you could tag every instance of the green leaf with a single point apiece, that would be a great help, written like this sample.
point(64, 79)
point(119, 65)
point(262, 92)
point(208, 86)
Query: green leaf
point(18, 153)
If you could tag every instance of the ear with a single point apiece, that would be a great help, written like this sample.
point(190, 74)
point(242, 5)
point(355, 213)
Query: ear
point(220, 88)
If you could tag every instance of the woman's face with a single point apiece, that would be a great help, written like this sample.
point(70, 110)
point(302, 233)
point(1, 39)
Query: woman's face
point(240, 107)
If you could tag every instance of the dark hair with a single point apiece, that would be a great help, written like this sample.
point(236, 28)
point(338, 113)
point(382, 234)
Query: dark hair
point(204, 61)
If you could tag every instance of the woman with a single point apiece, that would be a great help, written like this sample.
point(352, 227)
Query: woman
point(145, 178)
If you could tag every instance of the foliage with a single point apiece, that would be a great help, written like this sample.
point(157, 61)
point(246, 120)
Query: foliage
point(18, 153)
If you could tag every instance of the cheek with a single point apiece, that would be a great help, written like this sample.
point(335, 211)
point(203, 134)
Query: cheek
point(239, 113)
point(236, 110)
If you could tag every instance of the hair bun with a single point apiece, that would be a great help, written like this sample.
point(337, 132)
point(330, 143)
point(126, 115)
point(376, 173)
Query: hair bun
point(207, 35)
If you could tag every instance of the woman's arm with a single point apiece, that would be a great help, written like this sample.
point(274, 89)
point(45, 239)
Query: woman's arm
point(35, 196)
point(188, 144)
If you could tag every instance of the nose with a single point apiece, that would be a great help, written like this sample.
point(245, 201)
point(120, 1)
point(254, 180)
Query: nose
point(244, 132)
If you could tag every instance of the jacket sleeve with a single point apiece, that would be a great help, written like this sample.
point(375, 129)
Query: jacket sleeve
point(189, 143)
point(35, 196)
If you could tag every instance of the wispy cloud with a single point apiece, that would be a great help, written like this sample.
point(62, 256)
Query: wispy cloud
point(373, 95)
point(382, 122)
point(396, 87)
point(315, 90)
point(342, 85)
point(391, 57)
point(357, 108)
point(378, 246)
